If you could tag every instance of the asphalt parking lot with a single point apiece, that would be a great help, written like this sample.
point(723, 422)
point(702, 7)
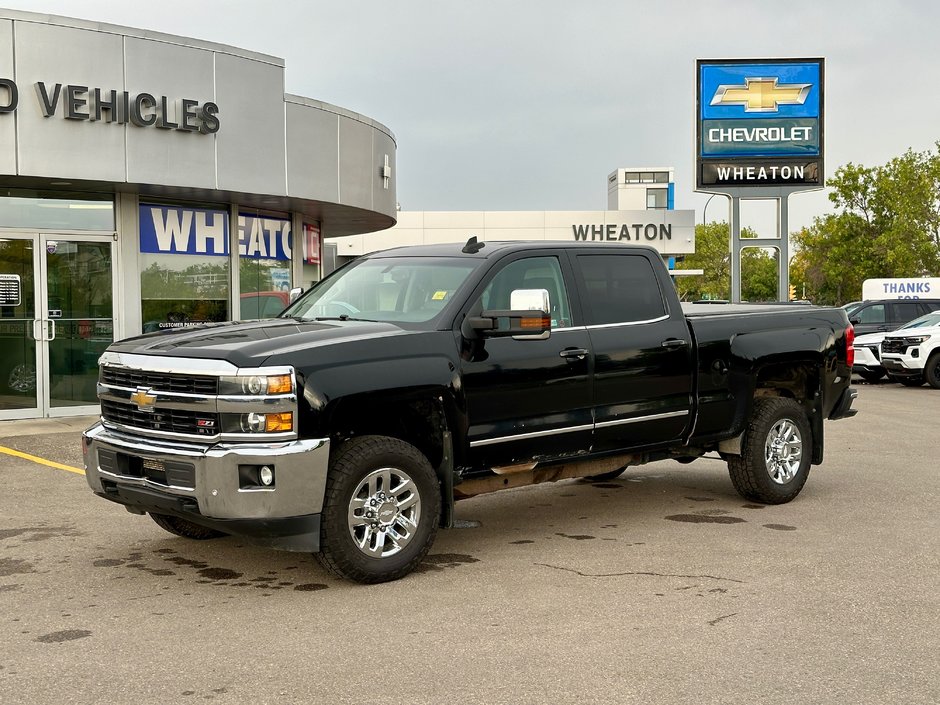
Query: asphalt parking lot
point(663, 586)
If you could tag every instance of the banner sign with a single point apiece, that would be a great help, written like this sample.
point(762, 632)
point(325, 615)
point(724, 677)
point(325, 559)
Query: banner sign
point(183, 231)
point(201, 231)
point(311, 243)
point(261, 237)
point(759, 122)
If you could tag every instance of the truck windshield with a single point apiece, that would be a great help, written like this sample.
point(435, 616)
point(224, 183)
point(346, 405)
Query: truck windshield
point(395, 289)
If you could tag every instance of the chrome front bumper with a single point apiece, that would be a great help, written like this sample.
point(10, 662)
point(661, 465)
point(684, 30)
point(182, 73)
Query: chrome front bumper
point(216, 497)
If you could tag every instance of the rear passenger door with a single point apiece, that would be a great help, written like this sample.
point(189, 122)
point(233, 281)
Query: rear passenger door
point(905, 311)
point(642, 352)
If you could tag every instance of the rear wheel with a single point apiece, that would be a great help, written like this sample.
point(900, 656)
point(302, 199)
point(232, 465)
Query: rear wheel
point(604, 476)
point(776, 451)
point(184, 528)
point(380, 512)
point(932, 370)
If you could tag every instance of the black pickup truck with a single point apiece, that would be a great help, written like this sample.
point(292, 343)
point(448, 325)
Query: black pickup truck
point(414, 377)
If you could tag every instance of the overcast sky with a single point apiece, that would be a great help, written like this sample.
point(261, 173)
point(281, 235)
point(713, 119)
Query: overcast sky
point(530, 104)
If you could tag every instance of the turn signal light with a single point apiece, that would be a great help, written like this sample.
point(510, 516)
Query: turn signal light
point(279, 422)
point(849, 350)
point(280, 384)
point(536, 322)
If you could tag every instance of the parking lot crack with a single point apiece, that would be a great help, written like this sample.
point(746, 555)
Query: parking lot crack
point(639, 572)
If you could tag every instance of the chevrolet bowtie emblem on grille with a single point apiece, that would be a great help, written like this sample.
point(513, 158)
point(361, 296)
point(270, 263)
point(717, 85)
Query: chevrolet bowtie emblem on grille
point(144, 399)
point(762, 95)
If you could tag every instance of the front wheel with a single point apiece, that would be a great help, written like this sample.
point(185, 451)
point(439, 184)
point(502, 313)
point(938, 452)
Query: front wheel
point(380, 512)
point(775, 452)
point(871, 376)
point(932, 370)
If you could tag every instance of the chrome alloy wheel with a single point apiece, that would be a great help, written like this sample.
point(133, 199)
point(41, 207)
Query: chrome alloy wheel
point(384, 512)
point(783, 451)
point(22, 378)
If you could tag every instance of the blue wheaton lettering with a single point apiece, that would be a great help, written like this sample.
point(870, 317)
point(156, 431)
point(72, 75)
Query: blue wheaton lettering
point(264, 238)
point(615, 233)
point(183, 231)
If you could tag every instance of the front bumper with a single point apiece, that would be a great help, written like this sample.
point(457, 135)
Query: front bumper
point(206, 484)
point(866, 360)
point(906, 364)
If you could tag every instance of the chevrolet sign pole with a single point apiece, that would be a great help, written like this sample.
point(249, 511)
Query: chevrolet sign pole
point(759, 135)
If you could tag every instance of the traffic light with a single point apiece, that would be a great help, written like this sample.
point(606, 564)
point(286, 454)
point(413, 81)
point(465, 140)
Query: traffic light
point(792, 293)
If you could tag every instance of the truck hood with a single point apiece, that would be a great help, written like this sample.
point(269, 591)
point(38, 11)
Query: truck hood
point(912, 332)
point(250, 343)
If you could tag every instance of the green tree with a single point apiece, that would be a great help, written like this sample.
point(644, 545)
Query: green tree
point(713, 256)
point(887, 224)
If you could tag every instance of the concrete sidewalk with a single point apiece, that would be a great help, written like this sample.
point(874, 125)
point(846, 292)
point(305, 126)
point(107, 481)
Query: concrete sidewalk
point(36, 427)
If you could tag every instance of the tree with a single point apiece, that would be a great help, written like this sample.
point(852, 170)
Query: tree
point(887, 225)
point(713, 257)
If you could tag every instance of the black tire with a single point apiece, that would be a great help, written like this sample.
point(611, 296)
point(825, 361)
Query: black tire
point(604, 476)
point(871, 376)
point(772, 480)
point(350, 548)
point(932, 370)
point(184, 528)
point(908, 380)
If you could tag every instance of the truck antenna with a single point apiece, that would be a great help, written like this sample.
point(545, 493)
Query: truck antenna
point(472, 246)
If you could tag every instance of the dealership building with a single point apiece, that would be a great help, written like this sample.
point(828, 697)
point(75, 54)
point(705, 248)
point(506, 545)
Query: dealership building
point(150, 181)
point(639, 212)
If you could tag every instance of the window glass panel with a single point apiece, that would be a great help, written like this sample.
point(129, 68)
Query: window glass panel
point(184, 266)
point(265, 249)
point(646, 177)
point(656, 197)
point(620, 289)
point(661, 177)
point(871, 314)
point(530, 273)
point(632, 177)
point(47, 210)
point(906, 311)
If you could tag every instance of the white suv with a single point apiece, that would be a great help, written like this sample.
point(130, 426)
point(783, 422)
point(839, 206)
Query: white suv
point(868, 347)
point(912, 356)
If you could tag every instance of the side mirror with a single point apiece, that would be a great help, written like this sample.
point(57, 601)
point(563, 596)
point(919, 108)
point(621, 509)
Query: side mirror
point(528, 319)
point(855, 320)
point(294, 294)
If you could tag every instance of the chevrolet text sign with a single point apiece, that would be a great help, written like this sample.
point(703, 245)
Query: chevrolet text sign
point(759, 123)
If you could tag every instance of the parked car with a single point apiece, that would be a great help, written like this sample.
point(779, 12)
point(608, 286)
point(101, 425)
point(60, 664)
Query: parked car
point(868, 348)
point(882, 315)
point(912, 356)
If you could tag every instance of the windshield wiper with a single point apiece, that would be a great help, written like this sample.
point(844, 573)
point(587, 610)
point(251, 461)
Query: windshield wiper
point(342, 317)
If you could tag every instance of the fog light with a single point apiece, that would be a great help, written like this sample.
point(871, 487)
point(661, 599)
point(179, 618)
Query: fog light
point(266, 475)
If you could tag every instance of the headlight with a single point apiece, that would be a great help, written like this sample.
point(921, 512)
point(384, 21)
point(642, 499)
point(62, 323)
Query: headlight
point(254, 422)
point(256, 385)
point(916, 339)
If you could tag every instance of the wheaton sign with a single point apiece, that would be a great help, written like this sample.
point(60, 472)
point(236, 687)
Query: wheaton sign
point(759, 123)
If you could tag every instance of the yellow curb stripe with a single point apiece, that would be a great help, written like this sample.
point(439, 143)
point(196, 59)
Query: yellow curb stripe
point(41, 461)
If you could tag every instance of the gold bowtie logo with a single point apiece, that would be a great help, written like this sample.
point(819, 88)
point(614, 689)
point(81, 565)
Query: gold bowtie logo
point(144, 399)
point(762, 95)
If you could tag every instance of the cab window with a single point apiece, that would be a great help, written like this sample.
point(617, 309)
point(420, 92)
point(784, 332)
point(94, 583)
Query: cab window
point(529, 273)
point(870, 314)
point(620, 289)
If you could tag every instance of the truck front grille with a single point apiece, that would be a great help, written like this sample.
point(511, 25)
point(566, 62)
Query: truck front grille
point(161, 381)
point(196, 423)
point(893, 345)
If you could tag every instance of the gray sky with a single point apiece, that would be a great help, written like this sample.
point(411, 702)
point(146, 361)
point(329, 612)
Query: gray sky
point(529, 105)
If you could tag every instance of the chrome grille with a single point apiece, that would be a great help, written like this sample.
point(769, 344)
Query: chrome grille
point(196, 423)
point(161, 381)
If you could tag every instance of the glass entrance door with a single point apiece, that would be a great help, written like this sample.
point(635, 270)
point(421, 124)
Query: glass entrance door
point(20, 392)
point(51, 340)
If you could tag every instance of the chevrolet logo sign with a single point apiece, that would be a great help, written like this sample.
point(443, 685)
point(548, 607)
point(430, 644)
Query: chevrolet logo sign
point(144, 399)
point(762, 95)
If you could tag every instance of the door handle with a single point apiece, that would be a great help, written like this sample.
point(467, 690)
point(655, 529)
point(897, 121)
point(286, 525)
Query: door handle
point(35, 330)
point(576, 353)
point(674, 343)
point(52, 336)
